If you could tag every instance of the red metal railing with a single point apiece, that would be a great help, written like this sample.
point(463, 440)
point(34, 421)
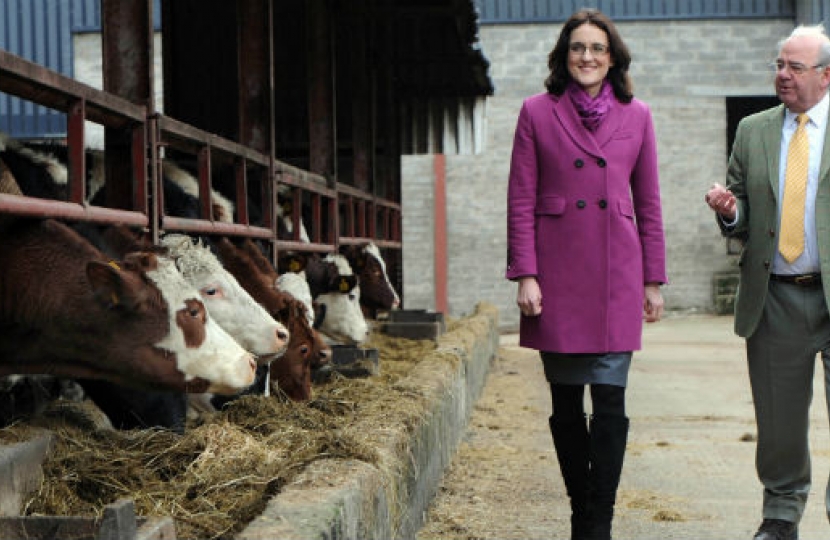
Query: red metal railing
point(338, 215)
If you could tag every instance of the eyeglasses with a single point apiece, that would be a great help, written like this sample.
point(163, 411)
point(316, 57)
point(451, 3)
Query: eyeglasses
point(597, 49)
point(796, 68)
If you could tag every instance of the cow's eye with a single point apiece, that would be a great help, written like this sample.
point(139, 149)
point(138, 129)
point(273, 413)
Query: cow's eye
point(210, 291)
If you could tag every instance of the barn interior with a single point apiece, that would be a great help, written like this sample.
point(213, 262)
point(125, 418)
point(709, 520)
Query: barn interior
point(275, 104)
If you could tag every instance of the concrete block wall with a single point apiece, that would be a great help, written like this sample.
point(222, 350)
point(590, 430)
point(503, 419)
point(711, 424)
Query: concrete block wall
point(684, 70)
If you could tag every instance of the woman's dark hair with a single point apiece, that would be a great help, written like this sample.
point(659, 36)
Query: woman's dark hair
point(559, 76)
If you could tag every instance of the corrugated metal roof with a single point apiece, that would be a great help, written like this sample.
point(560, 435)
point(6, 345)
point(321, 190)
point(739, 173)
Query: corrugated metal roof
point(39, 31)
point(527, 11)
point(86, 15)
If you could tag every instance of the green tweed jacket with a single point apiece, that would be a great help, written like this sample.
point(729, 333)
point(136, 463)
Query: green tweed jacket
point(752, 176)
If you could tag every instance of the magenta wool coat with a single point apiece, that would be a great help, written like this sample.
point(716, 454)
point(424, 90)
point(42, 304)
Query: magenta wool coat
point(584, 217)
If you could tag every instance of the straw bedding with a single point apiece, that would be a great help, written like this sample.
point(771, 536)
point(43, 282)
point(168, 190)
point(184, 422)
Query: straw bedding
point(221, 473)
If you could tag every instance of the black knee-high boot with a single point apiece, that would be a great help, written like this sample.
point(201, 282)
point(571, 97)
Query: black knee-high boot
point(609, 435)
point(570, 438)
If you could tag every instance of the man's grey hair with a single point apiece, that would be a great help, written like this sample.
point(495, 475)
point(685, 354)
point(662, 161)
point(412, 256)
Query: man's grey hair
point(814, 30)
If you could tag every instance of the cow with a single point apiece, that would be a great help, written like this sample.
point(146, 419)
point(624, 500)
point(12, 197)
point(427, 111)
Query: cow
point(222, 209)
point(227, 302)
point(258, 258)
point(293, 283)
point(231, 305)
point(69, 311)
point(306, 350)
point(36, 173)
point(335, 293)
point(296, 285)
point(285, 217)
point(376, 290)
point(40, 170)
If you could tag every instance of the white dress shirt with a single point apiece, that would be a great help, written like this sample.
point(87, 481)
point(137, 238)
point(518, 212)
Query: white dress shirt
point(808, 261)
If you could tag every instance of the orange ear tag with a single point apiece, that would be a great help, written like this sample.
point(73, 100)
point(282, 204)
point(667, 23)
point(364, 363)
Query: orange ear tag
point(344, 285)
point(113, 296)
point(294, 265)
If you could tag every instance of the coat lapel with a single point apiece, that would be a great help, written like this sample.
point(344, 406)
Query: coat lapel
point(592, 144)
point(611, 124)
point(824, 167)
point(772, 147)
point(565, 113)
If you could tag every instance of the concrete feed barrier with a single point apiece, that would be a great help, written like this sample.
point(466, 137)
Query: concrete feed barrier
point(350, 499)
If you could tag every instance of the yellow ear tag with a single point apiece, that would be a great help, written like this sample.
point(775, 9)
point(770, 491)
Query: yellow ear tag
point(344, 285)
point(113, 296)
point(294, 265)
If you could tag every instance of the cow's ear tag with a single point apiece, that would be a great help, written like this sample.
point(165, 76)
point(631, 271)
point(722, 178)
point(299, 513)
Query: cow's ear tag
point(294, 265)
point(344, 285)
point(114, 265)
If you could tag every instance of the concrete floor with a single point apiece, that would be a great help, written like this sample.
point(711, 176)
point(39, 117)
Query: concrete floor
point(689, 471)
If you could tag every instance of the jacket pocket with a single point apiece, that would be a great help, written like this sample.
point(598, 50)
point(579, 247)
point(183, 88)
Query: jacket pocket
point(552, 205)
point(620, 135)
point(626, 208)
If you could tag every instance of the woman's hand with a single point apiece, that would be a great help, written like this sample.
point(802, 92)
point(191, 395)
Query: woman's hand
point(529, 298)
point(653, 303)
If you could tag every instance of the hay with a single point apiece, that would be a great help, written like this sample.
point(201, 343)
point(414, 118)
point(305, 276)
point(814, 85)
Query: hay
point(220, 474)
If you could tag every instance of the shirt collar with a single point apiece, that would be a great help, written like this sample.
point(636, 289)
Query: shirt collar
point(818, 114)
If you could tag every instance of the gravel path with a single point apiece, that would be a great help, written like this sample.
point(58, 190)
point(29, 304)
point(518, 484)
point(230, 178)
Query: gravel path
point(689, 470)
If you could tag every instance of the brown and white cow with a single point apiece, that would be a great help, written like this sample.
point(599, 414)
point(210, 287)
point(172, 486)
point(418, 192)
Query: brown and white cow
point(336, 295)
point(227, 301)
point(306, 349)
point(222, 209)
point(376, 290)
point(68, 311)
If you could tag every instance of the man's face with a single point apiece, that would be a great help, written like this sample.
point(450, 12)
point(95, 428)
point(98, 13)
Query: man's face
point(798, 83)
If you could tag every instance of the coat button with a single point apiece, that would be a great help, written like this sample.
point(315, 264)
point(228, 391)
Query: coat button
point(601, 162)
point(766, 265)
point(579, 163)
point(603, 203)
point(580, 203)
point(772, 232)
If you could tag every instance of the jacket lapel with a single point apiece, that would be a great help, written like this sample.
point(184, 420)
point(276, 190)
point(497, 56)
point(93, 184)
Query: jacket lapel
point(611, 124)
point(824, 167)
point(565, 112)
point(772, 147)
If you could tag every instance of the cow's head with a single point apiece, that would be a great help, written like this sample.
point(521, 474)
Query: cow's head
point(376, 290)
point(227, 302)
point(306, 351)
point(189, 342)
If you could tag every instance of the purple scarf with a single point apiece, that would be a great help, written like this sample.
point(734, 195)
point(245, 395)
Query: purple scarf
point(592, 111)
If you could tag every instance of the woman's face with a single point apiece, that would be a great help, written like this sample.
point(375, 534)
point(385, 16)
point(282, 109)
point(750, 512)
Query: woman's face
point(589, 57)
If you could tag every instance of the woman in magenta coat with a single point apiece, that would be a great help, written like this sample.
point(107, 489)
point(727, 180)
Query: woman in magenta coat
point(586, 246)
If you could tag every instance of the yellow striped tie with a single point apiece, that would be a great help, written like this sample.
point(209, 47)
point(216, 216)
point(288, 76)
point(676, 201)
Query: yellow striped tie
point(791, 242)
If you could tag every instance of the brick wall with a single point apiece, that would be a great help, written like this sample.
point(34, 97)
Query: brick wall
point(683, 70)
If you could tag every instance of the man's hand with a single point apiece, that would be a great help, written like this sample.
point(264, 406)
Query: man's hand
point(722, 201)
